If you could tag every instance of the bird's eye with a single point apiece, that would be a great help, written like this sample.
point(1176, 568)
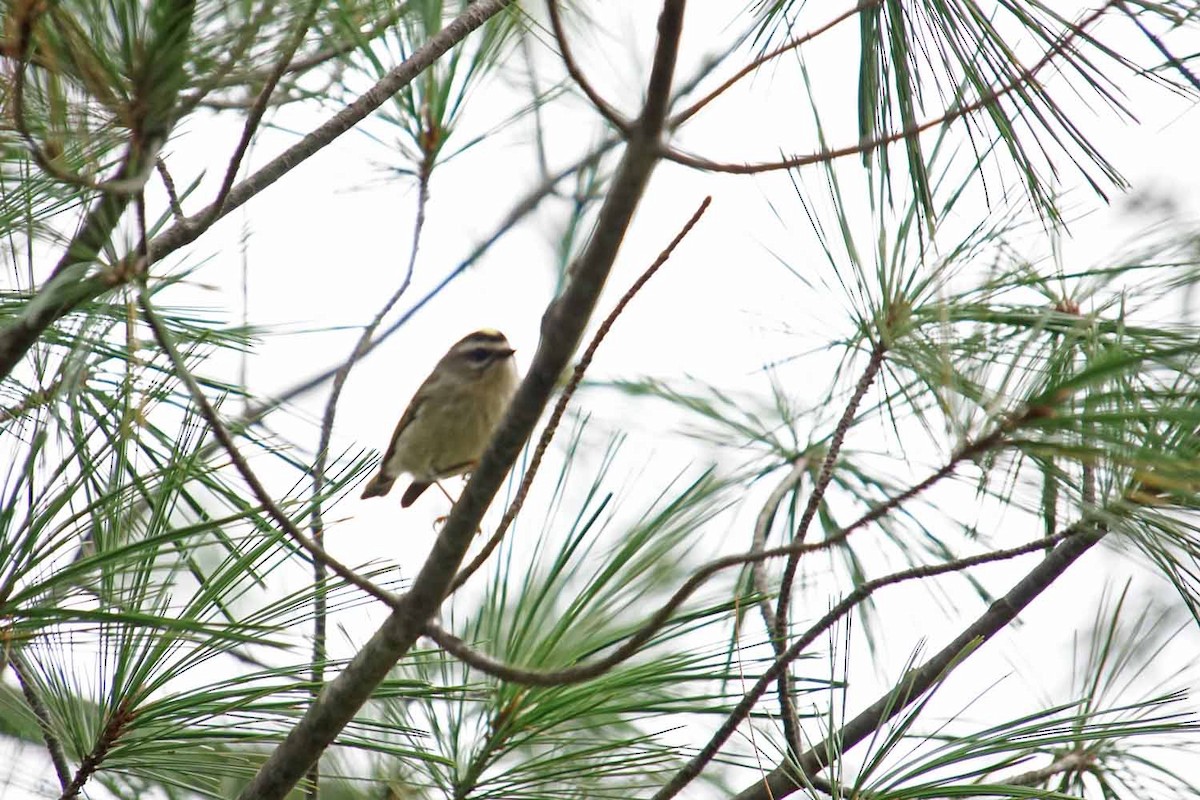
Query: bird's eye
point(478, 355)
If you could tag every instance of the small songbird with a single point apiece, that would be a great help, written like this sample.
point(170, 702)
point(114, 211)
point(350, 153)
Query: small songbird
point(451, 417)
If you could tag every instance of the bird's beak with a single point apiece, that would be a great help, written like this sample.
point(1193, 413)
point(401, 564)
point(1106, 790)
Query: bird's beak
point(508, 352)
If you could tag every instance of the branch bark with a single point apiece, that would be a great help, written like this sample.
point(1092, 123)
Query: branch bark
point(562, 328)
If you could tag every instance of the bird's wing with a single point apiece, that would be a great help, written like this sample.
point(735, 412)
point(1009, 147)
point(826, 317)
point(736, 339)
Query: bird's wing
point(410, 415)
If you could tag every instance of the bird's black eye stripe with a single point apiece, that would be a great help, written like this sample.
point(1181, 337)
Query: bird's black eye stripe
point(479, 354)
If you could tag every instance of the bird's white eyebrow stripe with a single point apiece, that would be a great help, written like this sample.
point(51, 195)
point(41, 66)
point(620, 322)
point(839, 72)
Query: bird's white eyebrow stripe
point(481, 340)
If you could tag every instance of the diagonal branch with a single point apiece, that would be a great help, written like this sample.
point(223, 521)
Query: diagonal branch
point(758, 581)
point(781, 781)
point(163, 337)
point(787, 778)
point(70, 288)
point(53, 746)
point(609, 113)
point(780, 628)
point(562, 328)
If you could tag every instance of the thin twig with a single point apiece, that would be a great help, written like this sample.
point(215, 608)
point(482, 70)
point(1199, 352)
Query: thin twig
point(169, 185)
point(758, 578)
point(874, 363)
point(239, 462)
point(561, 406)
point(53, 746)
point(694, 108)
point(214, 211)
point(870, 145)
point(602, 106)
point(762, 530)
point(535, 106)
point(779, 632)
point(35, 398)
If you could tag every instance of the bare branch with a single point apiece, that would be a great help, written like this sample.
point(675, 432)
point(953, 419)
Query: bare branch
point(169, 185)
point(874, 363)
point(762, 529)
point(609, 113)
point(758, 576)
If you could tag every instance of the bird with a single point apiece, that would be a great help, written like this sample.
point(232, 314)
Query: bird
point(450, 419)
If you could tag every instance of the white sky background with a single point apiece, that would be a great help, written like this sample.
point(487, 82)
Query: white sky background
point(331, 240)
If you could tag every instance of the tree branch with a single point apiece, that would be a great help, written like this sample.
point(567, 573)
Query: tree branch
point(53, 746)
point(758, 577)
point(780, 630)
point(562, 327)
point(784, 780)
point(602, 106)
point(66, 291)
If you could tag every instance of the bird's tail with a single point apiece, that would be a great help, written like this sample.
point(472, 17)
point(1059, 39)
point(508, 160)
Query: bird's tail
point(413, 492)
point(379, 486)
